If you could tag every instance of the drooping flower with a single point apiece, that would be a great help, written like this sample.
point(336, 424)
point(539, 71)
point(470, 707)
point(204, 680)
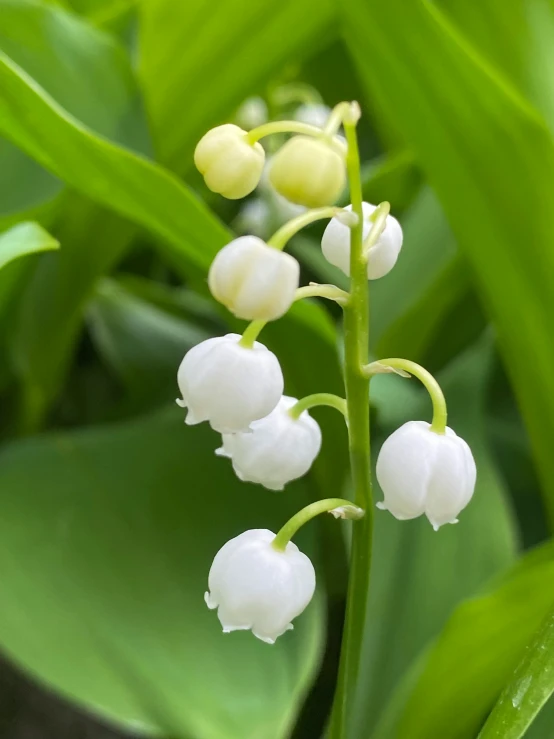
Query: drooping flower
point(277, 449)
point(422, 472)
point(308, 171)
point(255, 586)
point(382, 257)
point(228, 384)
point(253, 280)
point(230, 165)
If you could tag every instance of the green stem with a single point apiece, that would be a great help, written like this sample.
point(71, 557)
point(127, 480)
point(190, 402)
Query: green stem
point(286, 232)
point(310, 401)
point(285, 534)
point(251, 333)
point(356, 337)
point(336, 118)
point(304, 129)
point(332, 292)
point(438, 424)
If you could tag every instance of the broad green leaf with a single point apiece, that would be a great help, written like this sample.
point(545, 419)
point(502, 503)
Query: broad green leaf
point(106, 539)
point(420, 575)
point(212, 57)
point(464, 671)
point(528, 690)
point(491, 164)
point(27, 238)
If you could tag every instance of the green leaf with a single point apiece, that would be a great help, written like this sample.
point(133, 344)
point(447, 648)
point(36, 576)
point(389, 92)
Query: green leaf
point(96, 86)
point(491, 165)
point(529, 689)
point(25, 187)
point(26, 238)
point(141, 342)
point(106, 539)
point(108, 174)
point(466, 668)
point(210, 61)
point(428, 249)
point(419, 575)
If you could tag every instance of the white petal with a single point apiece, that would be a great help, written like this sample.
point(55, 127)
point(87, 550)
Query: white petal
point(404, 467)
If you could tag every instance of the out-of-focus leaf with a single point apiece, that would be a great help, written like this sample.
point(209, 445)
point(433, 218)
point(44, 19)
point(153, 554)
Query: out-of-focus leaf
point(25, 187)
point(428, 249)
point(27, 238)
point(80, 68)
point(528, 690)
point(490, 159)
point(420, 575)
point(212, 57)
point(395, 178)
point(21, 240)
point(97, 85)
point(143, 343)
point(133, 186)
point(521, 47)
point(106, 540)
point(466, 668)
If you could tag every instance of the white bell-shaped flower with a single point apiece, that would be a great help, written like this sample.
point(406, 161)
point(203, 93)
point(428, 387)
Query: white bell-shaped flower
point(230, 164)
point(277, 449)
point(227, 384)
point(255, 586)
point(253, 280)
point(382, 257)
point(420, 471)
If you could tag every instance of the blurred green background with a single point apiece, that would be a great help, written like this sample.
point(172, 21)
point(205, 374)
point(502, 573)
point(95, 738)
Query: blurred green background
point(111, 509)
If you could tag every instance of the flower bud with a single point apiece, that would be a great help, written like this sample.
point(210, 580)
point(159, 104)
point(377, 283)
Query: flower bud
point(278, 448)
point(382, 257)
point(308, 171)
point(315, 114)
point(253, 280)
point(420, 471)
point(256, 587)
point(231, 166)
point(228, 384)
point(252, 113)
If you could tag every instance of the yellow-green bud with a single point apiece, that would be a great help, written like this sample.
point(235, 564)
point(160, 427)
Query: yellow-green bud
point(308, 171)
point(230, 164)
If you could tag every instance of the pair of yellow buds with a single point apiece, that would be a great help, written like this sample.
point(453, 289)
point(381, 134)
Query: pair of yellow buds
point(305, 170)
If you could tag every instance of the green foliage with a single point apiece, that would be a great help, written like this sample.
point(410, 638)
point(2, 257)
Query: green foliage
point(105, 549)
point(107, 533)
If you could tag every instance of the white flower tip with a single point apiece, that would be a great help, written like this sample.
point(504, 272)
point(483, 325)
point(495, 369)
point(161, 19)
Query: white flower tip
point(222, 452)
point(351, 512)
point(354, 113)
point(210, 602)
point(191, 419)
point(180, 403)
point(381, 506)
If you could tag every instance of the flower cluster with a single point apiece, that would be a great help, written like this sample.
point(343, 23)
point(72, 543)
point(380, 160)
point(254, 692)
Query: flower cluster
point(260, 580)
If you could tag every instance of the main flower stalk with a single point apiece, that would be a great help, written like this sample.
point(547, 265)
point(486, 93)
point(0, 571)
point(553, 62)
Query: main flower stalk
point(356, 338)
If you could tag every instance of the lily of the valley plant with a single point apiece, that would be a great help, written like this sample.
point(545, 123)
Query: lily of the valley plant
point(260, 580)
